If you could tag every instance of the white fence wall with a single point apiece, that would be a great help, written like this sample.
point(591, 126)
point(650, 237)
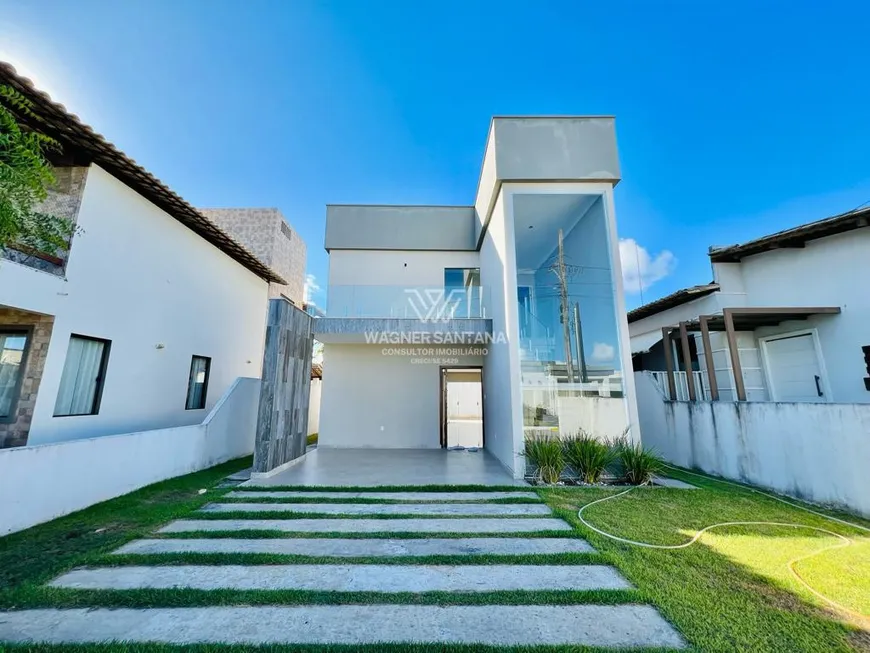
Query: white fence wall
point(817, 452)
point(47, 481)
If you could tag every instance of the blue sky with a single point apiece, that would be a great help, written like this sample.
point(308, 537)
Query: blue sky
point(734, 119)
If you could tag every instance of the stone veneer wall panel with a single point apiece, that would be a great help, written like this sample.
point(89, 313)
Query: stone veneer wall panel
point(282, 419)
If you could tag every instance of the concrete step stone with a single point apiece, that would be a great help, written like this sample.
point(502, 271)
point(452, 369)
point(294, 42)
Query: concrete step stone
point(451, 509)
point(498, 625)
point(348, 578)
point(394, 496)
point(342, 548)
point(480, 525)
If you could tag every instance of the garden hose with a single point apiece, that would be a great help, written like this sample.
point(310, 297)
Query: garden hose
point(844, 541)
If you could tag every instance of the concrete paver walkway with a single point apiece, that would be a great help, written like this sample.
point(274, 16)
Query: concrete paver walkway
point(435, 516)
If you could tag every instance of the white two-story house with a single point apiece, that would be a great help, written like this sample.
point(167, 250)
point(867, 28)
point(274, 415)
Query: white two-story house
point(148, 318)
point(477, 326)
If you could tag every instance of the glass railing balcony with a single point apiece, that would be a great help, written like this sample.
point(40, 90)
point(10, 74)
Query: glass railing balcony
point(426, 303)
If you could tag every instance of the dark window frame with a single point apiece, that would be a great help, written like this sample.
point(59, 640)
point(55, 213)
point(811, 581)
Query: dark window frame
point(101, 375)
point(207, 360)
point(27, 332)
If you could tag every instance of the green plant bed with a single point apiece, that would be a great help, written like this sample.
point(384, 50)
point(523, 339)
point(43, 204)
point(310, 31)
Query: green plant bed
point(585, 461)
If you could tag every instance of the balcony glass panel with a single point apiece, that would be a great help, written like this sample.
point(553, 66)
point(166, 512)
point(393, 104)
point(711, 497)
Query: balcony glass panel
point(569, 340)
point(429, 303)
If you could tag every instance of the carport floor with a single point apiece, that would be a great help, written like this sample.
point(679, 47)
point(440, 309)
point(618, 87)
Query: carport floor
point(391, 467)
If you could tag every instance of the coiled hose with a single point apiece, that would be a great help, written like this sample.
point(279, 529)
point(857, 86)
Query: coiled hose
point(843, 540)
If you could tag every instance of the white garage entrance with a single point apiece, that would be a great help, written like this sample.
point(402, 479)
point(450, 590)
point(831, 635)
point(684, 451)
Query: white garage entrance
point(794, 368)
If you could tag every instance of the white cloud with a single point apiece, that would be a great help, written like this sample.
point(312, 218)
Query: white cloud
point(639, 269)
point(311, 289)
point(602, 352)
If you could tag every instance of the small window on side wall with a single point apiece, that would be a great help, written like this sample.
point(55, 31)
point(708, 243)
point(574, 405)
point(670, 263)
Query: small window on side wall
point(84, 373)
point(197, 383)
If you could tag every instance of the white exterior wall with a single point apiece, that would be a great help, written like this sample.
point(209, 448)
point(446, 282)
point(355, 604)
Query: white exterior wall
point(314, 406)
point(44, 482)
point(138, 277)
point(502, 395)
point(622, 319)
point(827, 272)
point(395, 267)
point(787, 447)
point(372, 398)
point(754, 380)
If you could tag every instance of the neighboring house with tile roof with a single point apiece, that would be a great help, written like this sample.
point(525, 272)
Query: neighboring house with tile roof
point(788, 311)
point(149, 317)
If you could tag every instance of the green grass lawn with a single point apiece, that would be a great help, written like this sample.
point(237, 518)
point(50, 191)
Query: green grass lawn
point(34, 556)
point(731, 591)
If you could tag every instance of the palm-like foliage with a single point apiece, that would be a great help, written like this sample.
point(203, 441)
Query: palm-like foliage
point(545, 452)
point(588, 457)
point(25, 177)
point(638, 464)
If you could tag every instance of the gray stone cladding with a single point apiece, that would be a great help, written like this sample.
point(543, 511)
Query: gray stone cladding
point(269, 237)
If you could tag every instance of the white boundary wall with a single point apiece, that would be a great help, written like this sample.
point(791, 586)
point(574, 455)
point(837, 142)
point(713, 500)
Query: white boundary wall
point(47, 481)
point(816, 452)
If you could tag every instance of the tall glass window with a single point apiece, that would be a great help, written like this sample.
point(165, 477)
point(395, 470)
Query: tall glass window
point(572, 376)
point(13, 355)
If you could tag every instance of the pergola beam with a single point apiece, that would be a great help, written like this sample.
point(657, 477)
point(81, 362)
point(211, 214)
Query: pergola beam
point(687, 361)
point(708, 357)
point(669, 363)
point(736, 367)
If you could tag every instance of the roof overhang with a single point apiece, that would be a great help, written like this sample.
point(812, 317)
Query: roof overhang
point(754, 317)
point(644, 342)
point(678, 298)
point(55, 121)
point(797, 237)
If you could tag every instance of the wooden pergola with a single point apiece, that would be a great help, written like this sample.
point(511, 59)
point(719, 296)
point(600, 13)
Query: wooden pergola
point(731, 321)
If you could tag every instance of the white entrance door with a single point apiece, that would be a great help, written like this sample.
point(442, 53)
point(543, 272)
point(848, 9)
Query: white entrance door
point(464, 404)
point(794, 369)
